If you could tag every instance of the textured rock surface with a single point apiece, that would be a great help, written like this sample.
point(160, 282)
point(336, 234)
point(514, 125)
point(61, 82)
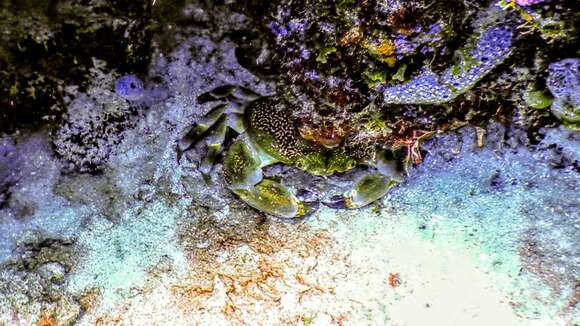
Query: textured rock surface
point(46, 46)
point(564, 83)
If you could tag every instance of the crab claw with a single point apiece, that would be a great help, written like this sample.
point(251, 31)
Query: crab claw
point(309, 208)
point(273, 198)
point(367, 190)
point(310, 203)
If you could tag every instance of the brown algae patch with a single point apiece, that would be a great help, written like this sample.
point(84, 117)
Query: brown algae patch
point(243, 272)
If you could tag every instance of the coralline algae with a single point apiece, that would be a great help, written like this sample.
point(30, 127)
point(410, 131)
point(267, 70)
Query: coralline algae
point(492, 47)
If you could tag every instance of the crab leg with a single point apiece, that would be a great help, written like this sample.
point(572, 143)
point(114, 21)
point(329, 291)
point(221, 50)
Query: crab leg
point(230, 93)
point(214, 142)
point(201, 128)
point(212, 128)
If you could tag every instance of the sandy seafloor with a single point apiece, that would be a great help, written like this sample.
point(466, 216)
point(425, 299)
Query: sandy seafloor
point(475, 235)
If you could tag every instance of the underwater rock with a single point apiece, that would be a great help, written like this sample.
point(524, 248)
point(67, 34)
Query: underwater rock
point(33, 284)
point(9, 168)
point(37, 249)
point(46, 45)
point(95, 123)
point(28, 298)
point(53, 272)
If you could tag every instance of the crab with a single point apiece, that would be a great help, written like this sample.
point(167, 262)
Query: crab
point(268, 134)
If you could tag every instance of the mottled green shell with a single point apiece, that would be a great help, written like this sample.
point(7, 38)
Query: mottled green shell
point(272, 129)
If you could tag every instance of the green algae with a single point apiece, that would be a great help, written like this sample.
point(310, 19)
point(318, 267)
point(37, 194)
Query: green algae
point(537, 99)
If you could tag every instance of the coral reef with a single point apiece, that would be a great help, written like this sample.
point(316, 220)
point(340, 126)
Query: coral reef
point(115, 228)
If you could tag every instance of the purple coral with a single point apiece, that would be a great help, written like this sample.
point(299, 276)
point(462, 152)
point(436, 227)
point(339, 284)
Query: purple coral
point(130, 87)
point(493, 46)
point(525, 3)
point(403, 45)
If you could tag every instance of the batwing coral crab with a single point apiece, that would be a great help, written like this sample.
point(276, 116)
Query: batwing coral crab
point(269, 135)
point(270, 130)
